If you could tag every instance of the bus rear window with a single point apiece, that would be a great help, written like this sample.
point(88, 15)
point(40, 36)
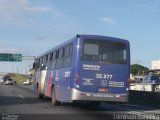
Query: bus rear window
point(91, 49)
point(104, 51)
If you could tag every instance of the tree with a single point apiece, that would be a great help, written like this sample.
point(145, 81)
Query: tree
point(137, 69)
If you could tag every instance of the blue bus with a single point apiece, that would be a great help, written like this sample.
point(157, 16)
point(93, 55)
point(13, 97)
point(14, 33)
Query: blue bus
point(87, 68)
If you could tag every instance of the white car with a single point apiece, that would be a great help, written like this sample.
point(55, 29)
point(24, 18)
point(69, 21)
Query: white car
point(9, 82)
point(1, 81)
point(27, 82)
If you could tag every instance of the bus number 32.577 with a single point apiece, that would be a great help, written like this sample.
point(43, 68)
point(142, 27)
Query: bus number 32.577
point(104, 76)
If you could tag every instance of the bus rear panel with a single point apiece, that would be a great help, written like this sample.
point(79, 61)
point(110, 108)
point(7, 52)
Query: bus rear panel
point(101, 69)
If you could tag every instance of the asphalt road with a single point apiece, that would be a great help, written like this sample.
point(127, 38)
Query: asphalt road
point(20, 102)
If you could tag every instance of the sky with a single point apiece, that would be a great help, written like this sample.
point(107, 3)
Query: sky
point(30, 27)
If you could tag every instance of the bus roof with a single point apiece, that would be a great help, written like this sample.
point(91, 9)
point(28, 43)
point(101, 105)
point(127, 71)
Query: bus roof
point(103, 37)
point(84, 36)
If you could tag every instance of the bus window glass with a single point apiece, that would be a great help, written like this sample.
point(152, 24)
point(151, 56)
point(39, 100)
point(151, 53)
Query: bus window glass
point(60, 53)
point(48, 61)
point(53, 64)
point(54, 55)
point(53, 61)
point(91, 49)
point(67, 50)
point(51, 56)
point(43, 60)
point(71, 49)
point(67, 61)
point(67, 56)
point(59, 63)
point(104, 51)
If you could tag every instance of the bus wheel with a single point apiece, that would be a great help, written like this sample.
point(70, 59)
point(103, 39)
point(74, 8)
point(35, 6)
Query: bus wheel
point(40, 96)
point(54, 101)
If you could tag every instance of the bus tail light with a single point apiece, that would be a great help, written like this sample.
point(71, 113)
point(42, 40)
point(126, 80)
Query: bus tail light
point(76, 78)
point(83, 94)
point(120, 96)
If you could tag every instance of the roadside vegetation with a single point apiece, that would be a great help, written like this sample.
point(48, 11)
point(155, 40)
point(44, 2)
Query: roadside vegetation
point(19, 78)
point(137, 69)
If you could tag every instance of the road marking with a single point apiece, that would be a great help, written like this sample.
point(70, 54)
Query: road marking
point(22, 97)
point(135, 112)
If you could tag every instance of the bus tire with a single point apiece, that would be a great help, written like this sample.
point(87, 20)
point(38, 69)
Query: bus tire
point(39, 95)
point(55, 102)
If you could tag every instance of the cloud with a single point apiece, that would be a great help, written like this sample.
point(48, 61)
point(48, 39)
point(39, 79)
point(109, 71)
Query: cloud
point(108, 21)
point(8, 49)
point(36, 9)
point(17, 9)
point(11, 50)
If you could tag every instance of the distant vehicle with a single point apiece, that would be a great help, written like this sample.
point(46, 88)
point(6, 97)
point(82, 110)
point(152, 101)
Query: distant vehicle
point(1, 81)
point(151, 78)
point(27, 82)
point(138, 79)
point(9, 82)
point(86, 68)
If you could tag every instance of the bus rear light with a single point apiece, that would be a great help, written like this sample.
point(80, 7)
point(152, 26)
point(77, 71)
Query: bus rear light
point(127, 89)
point(83, 94)
point(77, 86)
point(76, 78)
point(120, 96)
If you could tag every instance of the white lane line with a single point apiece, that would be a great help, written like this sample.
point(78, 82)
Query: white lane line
point(135, 112)
point(22, 97)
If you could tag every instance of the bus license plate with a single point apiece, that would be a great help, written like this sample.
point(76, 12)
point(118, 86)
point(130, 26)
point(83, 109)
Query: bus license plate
point(103, 90)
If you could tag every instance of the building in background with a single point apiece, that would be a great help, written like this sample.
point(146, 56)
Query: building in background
point(155, 64)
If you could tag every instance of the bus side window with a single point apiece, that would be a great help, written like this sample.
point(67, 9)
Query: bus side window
point(43, 63)
point(61, 53)
point(53, 60)
point(36, 65)
point(68, 56)
point(71, 49)
point(60, 56)
point(51, 56)
point(45, 59)
point(67, 51)
point(48, 62)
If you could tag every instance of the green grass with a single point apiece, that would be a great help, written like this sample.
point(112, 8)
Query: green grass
point(19, 78)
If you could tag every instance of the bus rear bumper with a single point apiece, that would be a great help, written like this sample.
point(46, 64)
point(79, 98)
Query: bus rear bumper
point(88, 96)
